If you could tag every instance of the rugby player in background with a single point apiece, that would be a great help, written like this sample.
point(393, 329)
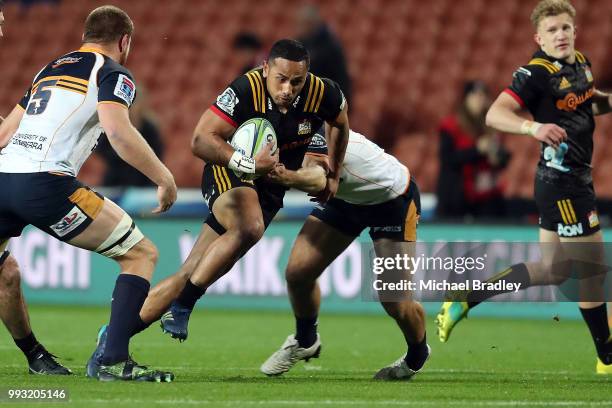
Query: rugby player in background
point(557, 88)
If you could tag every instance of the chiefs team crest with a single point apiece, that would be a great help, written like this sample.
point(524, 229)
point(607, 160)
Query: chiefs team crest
point(304, 128)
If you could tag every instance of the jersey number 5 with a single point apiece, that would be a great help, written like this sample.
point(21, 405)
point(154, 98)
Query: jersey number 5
point(38, 101)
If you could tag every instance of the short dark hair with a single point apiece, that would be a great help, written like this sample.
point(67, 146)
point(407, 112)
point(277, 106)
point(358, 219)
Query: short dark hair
point(291, 50)
point(1, 4)
point(107, 24)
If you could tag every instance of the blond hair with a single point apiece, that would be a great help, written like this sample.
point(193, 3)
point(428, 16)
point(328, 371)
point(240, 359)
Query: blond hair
point(548, 8)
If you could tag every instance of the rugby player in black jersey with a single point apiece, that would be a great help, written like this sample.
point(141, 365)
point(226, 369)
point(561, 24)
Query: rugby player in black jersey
point(13, 309)
point(297, 103)
point(557, 88)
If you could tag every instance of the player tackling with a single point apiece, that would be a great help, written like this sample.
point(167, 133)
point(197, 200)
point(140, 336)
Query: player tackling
point(375, 192)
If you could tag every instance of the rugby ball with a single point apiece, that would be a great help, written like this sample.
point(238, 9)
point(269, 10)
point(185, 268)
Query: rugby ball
point(250, 138)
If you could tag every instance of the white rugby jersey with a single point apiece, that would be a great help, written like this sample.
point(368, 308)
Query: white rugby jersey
point(369, 175)
point(60, 126)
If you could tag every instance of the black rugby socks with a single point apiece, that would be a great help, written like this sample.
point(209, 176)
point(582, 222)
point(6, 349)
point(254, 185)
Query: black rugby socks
point(515, 274)
point(190, 295)
point(128, 297)
point(597, 321)
point(306, 331)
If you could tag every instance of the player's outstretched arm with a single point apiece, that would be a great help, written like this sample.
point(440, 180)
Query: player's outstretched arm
point(9, 126)
point(134, 150)
point(310, 178)
point(337, 135)
point(602, 102)
point(503, 116)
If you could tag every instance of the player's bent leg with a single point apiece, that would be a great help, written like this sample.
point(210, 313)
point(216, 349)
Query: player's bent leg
point(238, 211)
point(315, 247)
point(547, 271)
point(239, 222)
point(113, 233)
point(181, 293)
point(14, 315)
point(161, 296)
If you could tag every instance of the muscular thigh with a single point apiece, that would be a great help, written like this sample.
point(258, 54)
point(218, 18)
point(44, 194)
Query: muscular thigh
point(101, 227)
point(315, 247)
point(237, 207)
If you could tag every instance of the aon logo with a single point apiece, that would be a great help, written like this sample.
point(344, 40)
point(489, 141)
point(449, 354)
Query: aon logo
point(569, 230)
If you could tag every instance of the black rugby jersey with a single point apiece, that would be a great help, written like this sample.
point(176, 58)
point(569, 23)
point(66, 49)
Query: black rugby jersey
point(320, 100)
point(557, 92)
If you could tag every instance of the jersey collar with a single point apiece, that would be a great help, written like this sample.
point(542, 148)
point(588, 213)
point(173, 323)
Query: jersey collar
point(92, 49)
point(541, 54)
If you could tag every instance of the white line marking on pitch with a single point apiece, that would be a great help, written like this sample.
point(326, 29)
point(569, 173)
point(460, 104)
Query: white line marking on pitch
point(479, 403)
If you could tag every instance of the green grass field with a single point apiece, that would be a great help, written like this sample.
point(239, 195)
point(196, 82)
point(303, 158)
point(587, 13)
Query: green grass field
point(494, 363)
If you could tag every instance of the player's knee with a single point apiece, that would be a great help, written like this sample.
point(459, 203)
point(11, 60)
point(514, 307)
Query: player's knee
point(297, 278)
point(393, 309)
point(9, 273)
point(403, 310)
point(149, 250)
point(556, 272)
point(251, 232)
point(145, 250)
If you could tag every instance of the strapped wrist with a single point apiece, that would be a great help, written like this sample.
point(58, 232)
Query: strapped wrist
point(240, 162)
point(530, 128)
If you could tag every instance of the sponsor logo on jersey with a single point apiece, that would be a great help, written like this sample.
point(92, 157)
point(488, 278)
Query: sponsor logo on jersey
point(304, 128)
point(296, 144)
point(65, 60)
point(227, 101)
point(589, 74)
point(557, 64)
point(593, 219)
point(295, 103)
point(269, 104)
point(564, 83)
point(318, 141)
point(569, 230)
point(125, 89)
point(69, 222)
point(571, 101)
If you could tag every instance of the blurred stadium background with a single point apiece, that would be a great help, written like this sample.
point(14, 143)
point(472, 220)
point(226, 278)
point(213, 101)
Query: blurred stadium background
point(407, 60)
